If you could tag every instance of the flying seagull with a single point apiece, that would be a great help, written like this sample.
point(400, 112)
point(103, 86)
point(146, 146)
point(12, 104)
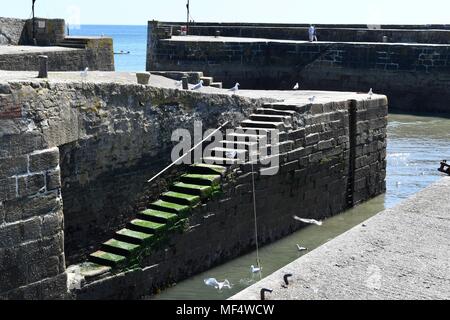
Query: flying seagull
point(198, 86)
point(297, 86)
point(309, 221)
point(254, 269)
point(212, 282)
point(301, 248)
point(370, 93)
point(84, 73)
point(235, 88)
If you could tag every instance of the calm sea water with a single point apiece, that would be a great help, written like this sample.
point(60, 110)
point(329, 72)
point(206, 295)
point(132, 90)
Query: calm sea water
point(416, 146)
point(126, 38)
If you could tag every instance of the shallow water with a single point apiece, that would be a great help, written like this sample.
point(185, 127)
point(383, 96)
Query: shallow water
point(416, 146)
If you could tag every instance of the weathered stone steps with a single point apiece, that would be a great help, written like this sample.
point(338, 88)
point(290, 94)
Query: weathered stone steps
point(263, 124)
point(275, 112)
point(161, 218)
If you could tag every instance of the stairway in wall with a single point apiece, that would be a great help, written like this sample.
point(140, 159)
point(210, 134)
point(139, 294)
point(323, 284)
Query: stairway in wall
point(202, 183)
point(74, 42)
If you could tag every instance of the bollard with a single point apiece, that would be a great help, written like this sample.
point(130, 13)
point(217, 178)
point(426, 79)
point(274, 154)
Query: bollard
point(43, 67)
point(263, 293)
point(185, 81)
point(286, 278)
point(143, 77)
point(385, 39)
point(217, 34)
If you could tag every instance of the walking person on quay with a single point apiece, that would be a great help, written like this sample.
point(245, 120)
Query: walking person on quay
point(312, 33)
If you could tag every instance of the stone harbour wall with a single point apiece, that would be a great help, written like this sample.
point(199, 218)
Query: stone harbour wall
point(415, 77)
point(98, 55)
point(334, 161)
point(11, 31)
point(73, 158)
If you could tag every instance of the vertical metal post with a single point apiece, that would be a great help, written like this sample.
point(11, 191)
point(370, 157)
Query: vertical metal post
point(188, 16)
point(34, 23)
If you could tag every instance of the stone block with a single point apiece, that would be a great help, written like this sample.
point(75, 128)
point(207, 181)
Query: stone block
point(52, 224)
point(44, 160)
point(31, 184)
point(8, 189)
point(53, 179)
point(13, 166)
point(328, 144)
point(312, 139)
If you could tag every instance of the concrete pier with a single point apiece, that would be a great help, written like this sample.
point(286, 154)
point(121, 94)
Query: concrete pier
point(402, 253)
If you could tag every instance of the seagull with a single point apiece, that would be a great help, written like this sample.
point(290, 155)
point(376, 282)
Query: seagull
point(231, 154)
point(198, 86)
point(370, 93)
point(254, 269)
point(312, 99)
point(297, 86)
point(212, 282)
point(235, 88)
point(84, 73)
point(301, 248)
point(179, 84)
point(309, 221)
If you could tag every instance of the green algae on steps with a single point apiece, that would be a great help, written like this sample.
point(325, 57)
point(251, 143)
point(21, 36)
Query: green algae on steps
point(208, 169)
point(147, 226)
point(108, 259)
point(203, 192)
point(134, 237)
point(158, 216)
point(178, 209)
point(202, 179)
point(181, 198)
point(153, 227)
point(121, 248)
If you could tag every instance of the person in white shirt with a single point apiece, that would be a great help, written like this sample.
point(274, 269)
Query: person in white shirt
point(312, 34)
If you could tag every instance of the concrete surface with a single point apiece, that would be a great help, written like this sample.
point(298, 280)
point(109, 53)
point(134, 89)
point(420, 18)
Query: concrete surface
point(402, 253)
point(254, 40)
point(32, 49)
point(288, 96)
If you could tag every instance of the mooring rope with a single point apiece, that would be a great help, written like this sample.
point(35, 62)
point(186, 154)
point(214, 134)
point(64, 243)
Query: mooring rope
point(258, 261)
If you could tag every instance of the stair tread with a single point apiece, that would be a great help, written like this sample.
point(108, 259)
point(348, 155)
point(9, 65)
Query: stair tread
point(159, 214)
point(121, 245)
point(170, 205)
point(216, 168)
point(110, 258)
point(147, 224)
point(192, 186)
point(140, 236)
point(229, 149)
point(184, 198)
point(207, 177)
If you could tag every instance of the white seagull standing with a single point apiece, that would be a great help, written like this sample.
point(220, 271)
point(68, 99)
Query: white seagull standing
point(235, 88)
point(297, 86)
point(309, 221)
point(212, 282)
point(84, 73)
point(179, 84)
point(370, 93)
point(198, 86)
point(301, 248)
point(254, 269)
point(312, 99)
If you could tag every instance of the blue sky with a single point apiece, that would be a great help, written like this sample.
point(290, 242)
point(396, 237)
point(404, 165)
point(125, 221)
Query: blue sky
point(138, 12)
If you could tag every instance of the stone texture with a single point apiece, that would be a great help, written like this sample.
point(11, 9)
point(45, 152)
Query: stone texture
point(262, 58)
